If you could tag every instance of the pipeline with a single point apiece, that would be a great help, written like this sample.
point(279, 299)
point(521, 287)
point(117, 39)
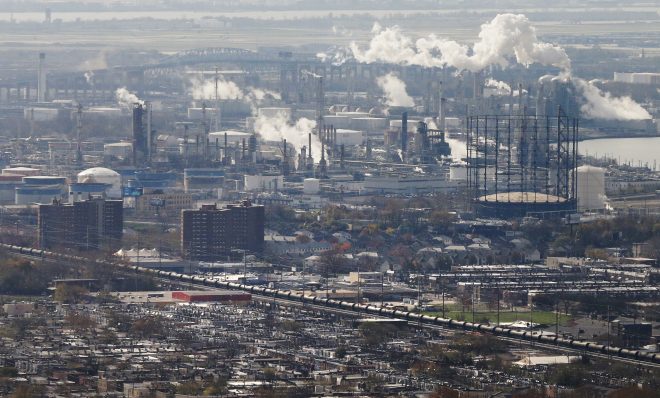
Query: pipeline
point(370, 309)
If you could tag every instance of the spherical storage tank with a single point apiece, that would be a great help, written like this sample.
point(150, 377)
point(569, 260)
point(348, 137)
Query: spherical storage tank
point(590, 188)
point(101, 175)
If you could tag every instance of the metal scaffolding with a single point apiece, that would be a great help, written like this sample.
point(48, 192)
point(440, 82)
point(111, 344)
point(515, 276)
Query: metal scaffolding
point(522, 160)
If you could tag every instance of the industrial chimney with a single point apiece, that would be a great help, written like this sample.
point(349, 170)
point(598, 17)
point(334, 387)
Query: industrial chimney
point(41, 78)
point(442, 126)
point(404, 133)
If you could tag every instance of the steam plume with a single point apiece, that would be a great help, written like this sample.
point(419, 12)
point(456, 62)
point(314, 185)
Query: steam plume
point(278, 128)
point(395, 91)
point(602, 105)
point(202, 89)
point(126, 99)
point(506, 37)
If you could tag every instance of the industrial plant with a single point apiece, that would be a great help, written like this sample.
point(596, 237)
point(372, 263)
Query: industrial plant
point(302, 199)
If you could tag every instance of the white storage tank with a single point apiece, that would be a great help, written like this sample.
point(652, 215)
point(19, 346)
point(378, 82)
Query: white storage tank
point(305, 113)
point(120, 150)
point(353, 115)
point(103, 111)
point(20, 171)
point(370, 124)
point(458, 171)
point(338, 122)
point(233, 138)
point(263, 182)
point(42, 195)
point(101, 175)
point(590, 188)
point(8, 185)
point(311, 186)
point(274, 113)
point(349, 137)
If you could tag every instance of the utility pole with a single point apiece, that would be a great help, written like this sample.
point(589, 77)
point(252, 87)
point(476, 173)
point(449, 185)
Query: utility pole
point(498, 306)
point(442, 284)
point(382, 289)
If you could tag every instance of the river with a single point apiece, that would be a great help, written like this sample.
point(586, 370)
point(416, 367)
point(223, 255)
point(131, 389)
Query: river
point(625, 150)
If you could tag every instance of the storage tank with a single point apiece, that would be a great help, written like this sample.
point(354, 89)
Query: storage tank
point(263, 182)
point(8, 185)
point(274, 112)
point(21, 171)
point(44, 180)
point(349, 137)
point(338, 122)
point(101, 175)
point(120, 150)
point(27, 195)
point(458, 171)
point(311, 186)
point(369, 124)
point(590, 188)
point(305, 113)
point(233, 138)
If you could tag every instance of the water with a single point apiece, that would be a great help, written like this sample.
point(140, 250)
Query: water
point(625, 150)
point(69, 16)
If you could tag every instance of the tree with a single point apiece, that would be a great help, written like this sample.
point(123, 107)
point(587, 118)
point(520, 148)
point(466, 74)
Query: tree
point(80, 322)
point(148, 327)
point(69, 294)
point(190, 388)
point(377, 334)
point(340, 352)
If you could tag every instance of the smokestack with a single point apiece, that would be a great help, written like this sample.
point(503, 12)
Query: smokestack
point(41, 78)
point(443, 115)
point(139, 136)
point(149, 131)
point(520, 100)
point(342, 156)
point(285, 160)
point(404, 133)
point(309, 138)
point(225, 150)
point(334, 140)
point(540, 103)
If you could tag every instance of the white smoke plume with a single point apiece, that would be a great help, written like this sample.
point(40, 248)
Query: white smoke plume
point(458, 147)
point(89, 77)
point(202, 89)
point(126, 99)
point(205, 89)
point(297, 134)
point(395, 91)
point(506, 37)
point(336, 55)
point(496, 88)
point(492, 83)
point(603, 105)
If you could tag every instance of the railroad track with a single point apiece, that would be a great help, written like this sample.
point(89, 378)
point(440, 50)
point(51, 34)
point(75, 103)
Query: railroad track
point(288, 297)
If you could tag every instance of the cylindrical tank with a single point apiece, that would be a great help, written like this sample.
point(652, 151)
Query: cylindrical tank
point(118, 149)
point(458, 172)
point(8, 185)
point(21, 171)
point(26, 195)
point(311, 186)
point(590, 188)
point(44, 180)
point(103, 176)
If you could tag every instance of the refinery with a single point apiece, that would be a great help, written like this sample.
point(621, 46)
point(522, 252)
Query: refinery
point(297, 199)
